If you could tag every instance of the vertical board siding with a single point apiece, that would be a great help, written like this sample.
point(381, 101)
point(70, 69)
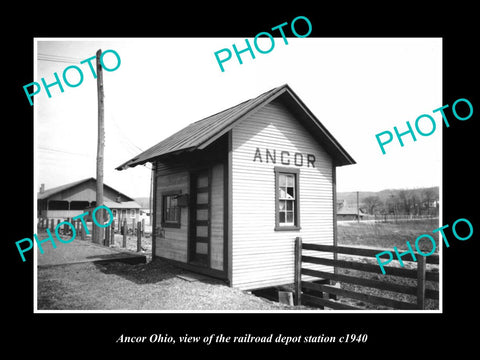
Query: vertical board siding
point(261, 256)
point(174, 244)
point(216, 222)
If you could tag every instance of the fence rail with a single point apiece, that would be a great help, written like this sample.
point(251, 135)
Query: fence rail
point(304, 289)
point(108, 238)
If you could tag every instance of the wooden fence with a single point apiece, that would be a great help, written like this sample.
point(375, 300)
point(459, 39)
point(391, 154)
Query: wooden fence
point(136, 229)
point(305, 291)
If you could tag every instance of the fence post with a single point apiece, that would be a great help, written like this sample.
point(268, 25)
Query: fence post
point(125, 229)
point(139, 236)
point(298, 271)
point(112, 233)
point(421, 269)
point(106, 241)
point(82, 231)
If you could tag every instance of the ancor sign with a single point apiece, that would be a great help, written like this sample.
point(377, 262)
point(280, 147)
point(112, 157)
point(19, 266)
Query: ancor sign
point(284, 157)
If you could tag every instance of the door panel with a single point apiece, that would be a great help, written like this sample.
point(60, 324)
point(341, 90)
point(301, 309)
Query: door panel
point(200, 225)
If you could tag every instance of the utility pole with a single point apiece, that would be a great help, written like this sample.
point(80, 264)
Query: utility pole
point(100, 148)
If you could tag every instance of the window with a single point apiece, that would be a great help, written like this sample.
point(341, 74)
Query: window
point(171, 210)
point(58, 205)
point(287, 209)
point(79, 205)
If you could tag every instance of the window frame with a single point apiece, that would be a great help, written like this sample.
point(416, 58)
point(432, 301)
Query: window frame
point(296, 202)
point(168, 223)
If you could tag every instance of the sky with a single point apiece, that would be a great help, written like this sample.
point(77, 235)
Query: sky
point(356, 87)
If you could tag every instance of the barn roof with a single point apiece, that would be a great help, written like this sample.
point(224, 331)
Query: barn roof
point(50, 192)
point(202, 133)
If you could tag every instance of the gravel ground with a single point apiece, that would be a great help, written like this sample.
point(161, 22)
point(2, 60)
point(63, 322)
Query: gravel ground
point(151, 286)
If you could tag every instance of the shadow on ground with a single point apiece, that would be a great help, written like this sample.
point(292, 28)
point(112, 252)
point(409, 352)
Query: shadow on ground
point(152, 272)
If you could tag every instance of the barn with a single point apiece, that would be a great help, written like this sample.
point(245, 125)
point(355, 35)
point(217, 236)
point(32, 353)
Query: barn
point(66, 201)
point(232, 191)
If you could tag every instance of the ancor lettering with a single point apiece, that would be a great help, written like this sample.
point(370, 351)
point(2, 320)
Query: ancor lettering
point(284, 157)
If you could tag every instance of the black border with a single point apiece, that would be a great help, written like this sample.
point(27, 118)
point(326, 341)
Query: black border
point(91, 333)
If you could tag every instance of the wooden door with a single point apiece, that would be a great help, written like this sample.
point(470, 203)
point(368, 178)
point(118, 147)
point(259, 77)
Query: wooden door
point(200, 219)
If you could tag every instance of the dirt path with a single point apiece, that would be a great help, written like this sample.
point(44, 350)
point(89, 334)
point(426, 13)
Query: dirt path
point(151, 286)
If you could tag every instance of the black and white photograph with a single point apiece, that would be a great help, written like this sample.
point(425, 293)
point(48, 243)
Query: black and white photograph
point(261, 187)
point(274, 183)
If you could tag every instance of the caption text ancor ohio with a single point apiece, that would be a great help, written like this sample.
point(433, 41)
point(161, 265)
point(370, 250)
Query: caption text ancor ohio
point(243, 339)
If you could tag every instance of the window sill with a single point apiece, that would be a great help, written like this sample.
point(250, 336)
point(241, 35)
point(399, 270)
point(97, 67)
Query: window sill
point(171, 225)
point(287, 228)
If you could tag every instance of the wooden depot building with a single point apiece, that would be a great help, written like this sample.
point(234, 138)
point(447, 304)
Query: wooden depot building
point(233, 191)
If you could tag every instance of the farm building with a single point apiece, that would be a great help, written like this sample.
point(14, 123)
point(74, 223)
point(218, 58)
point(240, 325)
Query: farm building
point(69, 200)
point(348, 212)
point(233, 190)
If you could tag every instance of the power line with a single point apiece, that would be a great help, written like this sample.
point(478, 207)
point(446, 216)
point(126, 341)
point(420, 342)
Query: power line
point(64, 152)
point(58, 58)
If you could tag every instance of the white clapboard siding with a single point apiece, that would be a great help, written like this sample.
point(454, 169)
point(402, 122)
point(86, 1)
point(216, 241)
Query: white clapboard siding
point(261, 256)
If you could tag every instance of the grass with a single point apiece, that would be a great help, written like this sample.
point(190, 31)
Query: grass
point(156, 286)
point(151, 286)
point(386, 236)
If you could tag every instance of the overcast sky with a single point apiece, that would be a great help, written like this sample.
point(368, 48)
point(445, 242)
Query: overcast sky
point(355, 87)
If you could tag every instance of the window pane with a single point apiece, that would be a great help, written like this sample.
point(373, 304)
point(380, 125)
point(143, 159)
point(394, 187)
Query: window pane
point(281, 205)
point(171, 212)
point(202, 214)
point(289, 205)
point(202, 231)
point(281, 217)
point(282, 180)
point(290, 180)
point(282, 193)
point(202, 248)
point(290, 193)
point(202, 181)
point(290, 217)
point(202, 198)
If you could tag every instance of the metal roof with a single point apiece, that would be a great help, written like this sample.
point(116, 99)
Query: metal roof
point(47, 193)
point(202, 133)
point(122, 205)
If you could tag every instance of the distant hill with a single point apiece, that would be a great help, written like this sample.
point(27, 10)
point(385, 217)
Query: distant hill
point(402, 200)
point(351, 196)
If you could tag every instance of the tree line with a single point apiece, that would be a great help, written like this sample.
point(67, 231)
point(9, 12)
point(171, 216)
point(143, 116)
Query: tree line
point(423, 201)
point(403, 202)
